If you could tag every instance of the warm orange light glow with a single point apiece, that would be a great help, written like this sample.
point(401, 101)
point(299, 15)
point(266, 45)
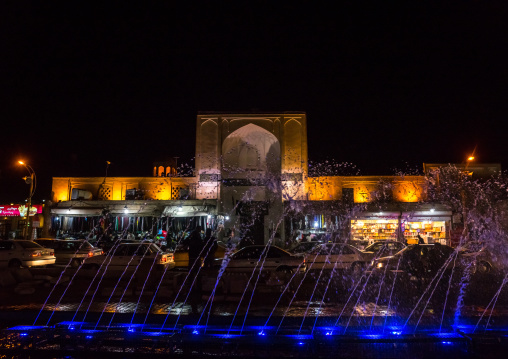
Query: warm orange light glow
point(470, 158)
point(21, 162)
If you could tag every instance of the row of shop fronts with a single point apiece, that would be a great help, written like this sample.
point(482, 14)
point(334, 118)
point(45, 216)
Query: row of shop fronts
point(310, 221)
point(412, 224)
point(433, 224)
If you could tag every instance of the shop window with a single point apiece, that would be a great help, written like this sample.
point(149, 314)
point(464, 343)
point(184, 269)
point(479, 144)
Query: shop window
point(371, 230)
point(81, 194)
point(133, 194)
point(430, 231)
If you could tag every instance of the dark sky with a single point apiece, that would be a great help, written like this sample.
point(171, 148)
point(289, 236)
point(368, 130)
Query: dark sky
point(384, 85)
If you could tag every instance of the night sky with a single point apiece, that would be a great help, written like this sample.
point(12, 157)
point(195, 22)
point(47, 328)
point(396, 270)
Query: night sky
point(385, 86)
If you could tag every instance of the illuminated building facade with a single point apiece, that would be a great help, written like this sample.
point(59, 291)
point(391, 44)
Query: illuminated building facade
point(251, 181)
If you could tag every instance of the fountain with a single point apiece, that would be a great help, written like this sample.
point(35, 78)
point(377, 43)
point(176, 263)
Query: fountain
point(402, 316)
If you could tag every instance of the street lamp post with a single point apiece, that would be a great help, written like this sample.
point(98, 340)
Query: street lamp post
point(30, 181)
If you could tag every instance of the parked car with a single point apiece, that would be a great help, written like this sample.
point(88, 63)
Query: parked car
point(338, 256)
point(107, 245)
point(131, 255)
point(21, 253)
point(276, 259)
point(72, 252)
point(419, 260)
point(485, 260)
point(383, 249)
point(304, 247)
point(181, 255)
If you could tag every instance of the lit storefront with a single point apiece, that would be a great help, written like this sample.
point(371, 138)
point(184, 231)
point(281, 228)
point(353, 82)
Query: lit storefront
point(13, 220)
point(371, 230)
point(430, 230)
point(315, 220)
point(93, 218)
point(432, 224)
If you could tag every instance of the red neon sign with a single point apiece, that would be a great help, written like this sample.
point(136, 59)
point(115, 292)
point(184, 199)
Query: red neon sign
point(19, 210)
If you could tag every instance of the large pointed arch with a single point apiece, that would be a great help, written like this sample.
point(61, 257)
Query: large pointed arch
point(250, 150)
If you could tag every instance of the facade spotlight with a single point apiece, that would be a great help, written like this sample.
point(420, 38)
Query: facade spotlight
point(125, 210)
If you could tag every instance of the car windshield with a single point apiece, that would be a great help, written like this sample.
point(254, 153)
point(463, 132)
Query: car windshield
point(473, 247)
point(333, 249)
point(28, 244)
point(74, 246)
point(402, 251)
point(45, 243)
point(249, 253)
point(372, 248)
point(303, 247)
point(385, 247)
point(137, 249)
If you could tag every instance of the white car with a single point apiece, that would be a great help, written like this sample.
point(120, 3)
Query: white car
point(70, 252)
point(276, 259)
point(21, 253)
point(338, 256)
point(131, 255)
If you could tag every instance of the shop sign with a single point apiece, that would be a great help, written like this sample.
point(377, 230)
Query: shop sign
point(17, 210)
point(36, 221)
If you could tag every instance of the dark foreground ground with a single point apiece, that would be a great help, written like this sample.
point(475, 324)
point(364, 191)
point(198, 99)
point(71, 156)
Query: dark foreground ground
point(368, 317)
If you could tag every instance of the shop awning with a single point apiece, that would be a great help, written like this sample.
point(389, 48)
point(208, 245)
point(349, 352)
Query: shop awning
point(137, 208)
point(187, 211)
point(77, 212)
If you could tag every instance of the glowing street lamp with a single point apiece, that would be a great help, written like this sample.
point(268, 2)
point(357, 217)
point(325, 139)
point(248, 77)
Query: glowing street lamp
point(30, 180)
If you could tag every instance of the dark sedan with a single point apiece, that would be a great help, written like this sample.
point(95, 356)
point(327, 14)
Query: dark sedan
point(275, 259)
point(381, 249)
point(419, 260)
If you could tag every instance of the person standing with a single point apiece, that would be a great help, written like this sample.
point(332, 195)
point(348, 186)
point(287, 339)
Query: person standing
point(420, 239)
point(210, 246)
point(195, 244)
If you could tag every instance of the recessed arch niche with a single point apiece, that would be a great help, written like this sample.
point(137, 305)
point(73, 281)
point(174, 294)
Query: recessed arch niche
point(250, 152)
